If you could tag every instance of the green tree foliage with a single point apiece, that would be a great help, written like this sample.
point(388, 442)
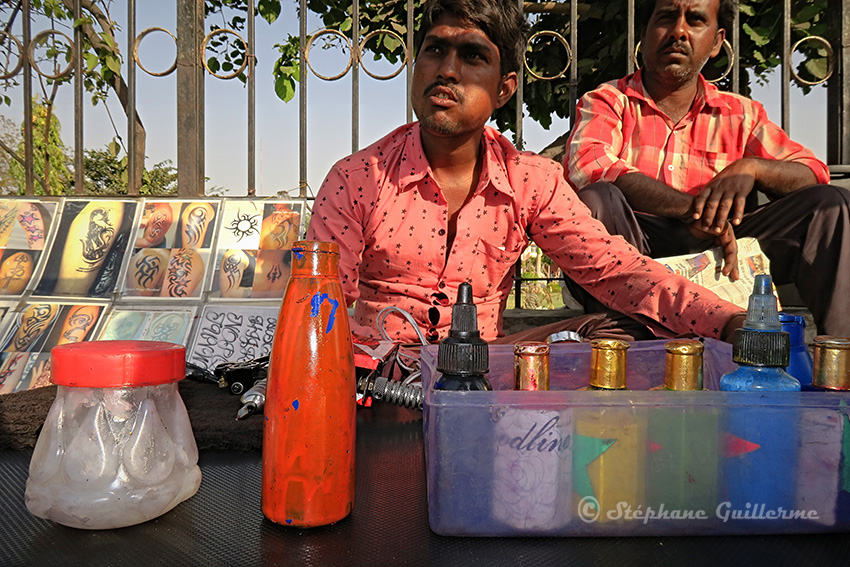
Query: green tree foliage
point(50, 160)
point(106, 174)
point(10, 138)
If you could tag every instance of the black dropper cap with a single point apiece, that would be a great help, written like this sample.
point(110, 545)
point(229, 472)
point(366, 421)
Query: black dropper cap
point(761, 341)
point(463, 352)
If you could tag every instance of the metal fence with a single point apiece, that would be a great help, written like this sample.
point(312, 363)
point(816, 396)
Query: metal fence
point(192, 40)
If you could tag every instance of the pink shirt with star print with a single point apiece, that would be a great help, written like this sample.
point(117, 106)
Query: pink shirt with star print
point(383, 208)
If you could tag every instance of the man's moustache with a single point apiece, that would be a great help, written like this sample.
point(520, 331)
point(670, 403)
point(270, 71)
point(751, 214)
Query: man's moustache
point(445, 85)
point(678, 45)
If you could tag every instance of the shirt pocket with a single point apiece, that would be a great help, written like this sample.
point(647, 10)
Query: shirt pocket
point(492, 264)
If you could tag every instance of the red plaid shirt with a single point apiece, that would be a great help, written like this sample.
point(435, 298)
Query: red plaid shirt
point(619, 129)
point(390, 219)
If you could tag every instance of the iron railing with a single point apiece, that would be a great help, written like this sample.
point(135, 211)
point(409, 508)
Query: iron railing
point(191, 39)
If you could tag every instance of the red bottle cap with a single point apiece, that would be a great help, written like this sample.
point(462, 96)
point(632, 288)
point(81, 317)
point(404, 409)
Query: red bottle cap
point(116, 364)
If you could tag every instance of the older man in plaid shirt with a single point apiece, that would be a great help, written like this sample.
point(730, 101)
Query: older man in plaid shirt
point(674, 165)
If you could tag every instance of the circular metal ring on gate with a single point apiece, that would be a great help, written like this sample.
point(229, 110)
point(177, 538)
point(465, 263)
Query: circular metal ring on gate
point(563, 41)
point(362, 48)
point(830, 60)
point(318, 34)
point(211, 35)
point(41, 36)
point(16, 68)
point(138, 61)
point(730, 57)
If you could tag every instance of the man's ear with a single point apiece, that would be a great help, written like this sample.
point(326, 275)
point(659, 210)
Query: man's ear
point(507, 88)
point(718, 42)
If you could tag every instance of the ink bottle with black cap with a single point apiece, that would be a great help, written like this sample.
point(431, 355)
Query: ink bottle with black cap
point(761, 348)
point(761, 435)
point(463, 357)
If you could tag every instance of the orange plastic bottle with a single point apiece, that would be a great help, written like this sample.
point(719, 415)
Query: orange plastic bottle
point(308, 438)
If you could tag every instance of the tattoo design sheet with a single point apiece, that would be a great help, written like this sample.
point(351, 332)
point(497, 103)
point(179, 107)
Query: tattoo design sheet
point(232, 333)
point(24, 227)
point(171, 249)
point(253, 255)
point(129, 323)
point(33, 332)
point(86, 256)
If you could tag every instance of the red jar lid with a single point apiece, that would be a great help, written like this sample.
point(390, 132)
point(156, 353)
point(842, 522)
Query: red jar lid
point(115, 364)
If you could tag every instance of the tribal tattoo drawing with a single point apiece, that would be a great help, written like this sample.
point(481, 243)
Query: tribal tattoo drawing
point(97, 240)
point(231, 267)
point(147, 270)
point(80, 320)
point(180, 273)
point(244, 225)
point(195, 227)
point(33, 321)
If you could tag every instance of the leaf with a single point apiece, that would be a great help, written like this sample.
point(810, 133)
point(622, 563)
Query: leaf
point(113, 64)
point(269, 10)
point(114, 148)
point(212, 63)
point(760, 37)
point(808, 12)
point(91, 61)
point(817, 67)
point(284, 88)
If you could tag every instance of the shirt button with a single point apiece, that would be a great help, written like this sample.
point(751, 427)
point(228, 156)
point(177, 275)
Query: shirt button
point(670, 167)
point(442, 232)
point(441, 285)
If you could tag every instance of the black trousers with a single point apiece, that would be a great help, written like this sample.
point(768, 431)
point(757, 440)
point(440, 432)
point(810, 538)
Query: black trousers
point(805, 235)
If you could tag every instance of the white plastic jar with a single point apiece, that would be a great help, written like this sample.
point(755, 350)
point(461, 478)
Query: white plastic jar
point(117, 447)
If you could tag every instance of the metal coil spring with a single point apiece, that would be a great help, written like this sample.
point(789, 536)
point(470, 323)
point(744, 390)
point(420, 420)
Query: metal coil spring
point(405, 395)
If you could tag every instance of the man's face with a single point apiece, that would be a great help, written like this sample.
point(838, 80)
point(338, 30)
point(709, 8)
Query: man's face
point(680, 37)
point(457, 81)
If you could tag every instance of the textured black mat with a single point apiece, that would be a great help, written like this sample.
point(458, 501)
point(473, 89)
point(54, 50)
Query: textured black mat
point(212, 411)
point(223, 525)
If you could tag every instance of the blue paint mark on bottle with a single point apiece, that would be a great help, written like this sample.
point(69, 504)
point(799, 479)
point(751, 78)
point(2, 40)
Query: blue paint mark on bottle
point(316, 302)
point(289, 521)
point(295, 404)
point(298, 253)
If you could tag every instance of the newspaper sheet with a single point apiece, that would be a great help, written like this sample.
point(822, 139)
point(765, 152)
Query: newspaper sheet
point(704, 269)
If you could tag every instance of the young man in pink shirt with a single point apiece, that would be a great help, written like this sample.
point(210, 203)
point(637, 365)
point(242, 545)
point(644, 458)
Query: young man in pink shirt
point(672, 164)
point(448, 199)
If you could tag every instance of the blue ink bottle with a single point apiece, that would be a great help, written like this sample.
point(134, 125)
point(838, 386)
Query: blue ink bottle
point(800, 364)
point(760, 444)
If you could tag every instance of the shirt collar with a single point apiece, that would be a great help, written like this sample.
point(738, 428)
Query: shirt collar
point(707, 93)
point(414, 166)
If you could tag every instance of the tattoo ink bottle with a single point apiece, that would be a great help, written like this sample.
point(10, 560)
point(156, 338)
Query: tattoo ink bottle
point(800, 361)
point(822, 480)
point(467, 447)
point(760, 445)
point(682, 459)
point(463, 357)
point(610, 440)
point(532, 467)
point(308, 437)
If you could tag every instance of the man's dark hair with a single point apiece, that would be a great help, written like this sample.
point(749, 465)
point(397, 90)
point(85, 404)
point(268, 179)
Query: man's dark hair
point(501, 20)
point(725, 14)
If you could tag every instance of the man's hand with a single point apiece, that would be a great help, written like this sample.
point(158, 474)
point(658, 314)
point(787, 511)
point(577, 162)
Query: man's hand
point(726, 240)
point(723, 199)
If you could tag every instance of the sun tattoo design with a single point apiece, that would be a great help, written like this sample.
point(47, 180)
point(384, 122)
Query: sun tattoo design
point(243, 225)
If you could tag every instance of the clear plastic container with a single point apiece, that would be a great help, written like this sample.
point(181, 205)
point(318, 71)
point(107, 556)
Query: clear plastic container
point(117, 447)
point(572, 462)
